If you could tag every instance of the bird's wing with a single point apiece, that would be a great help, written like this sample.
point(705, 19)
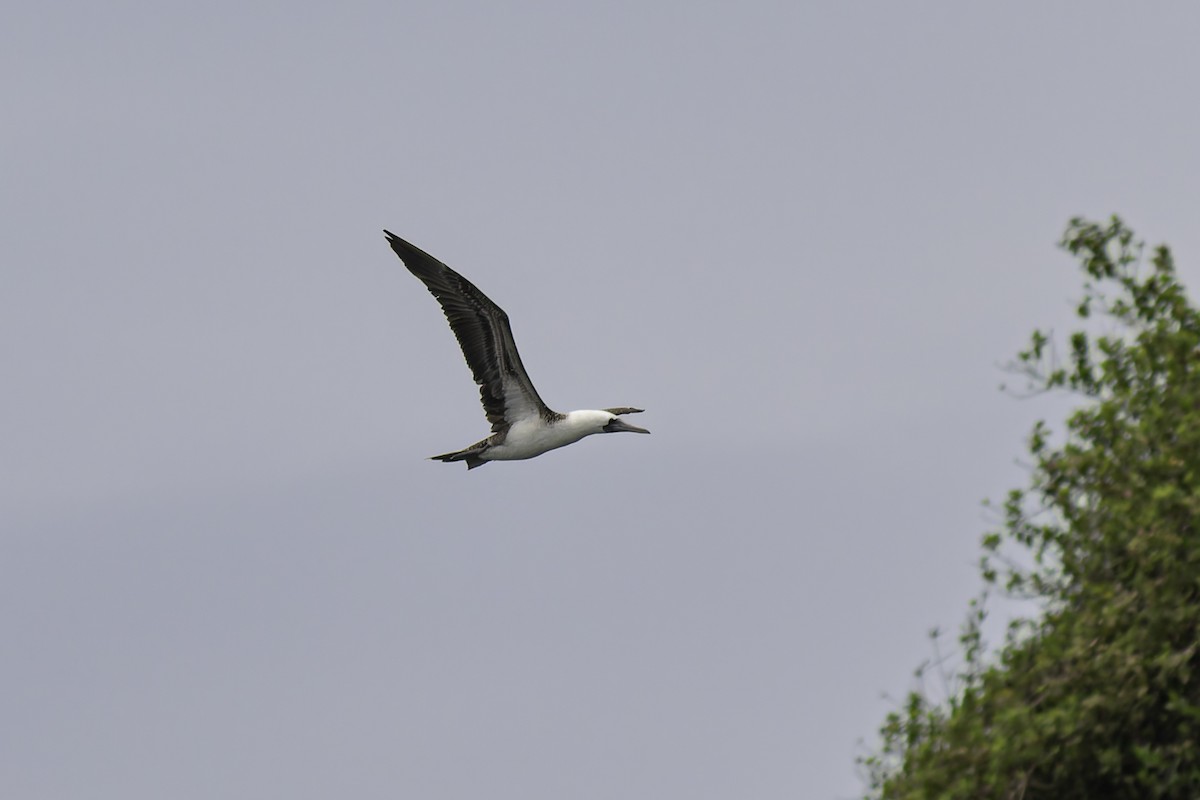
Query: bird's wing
point(485, 336)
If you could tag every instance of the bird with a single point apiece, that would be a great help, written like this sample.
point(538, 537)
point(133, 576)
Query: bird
point(522, 425)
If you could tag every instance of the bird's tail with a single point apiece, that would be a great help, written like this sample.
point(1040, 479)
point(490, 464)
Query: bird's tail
point(471, 455)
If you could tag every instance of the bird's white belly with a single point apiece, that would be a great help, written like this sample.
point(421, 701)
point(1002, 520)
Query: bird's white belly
point(529, 438)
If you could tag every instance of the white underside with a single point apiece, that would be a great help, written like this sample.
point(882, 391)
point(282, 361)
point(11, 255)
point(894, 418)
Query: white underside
point(533, 436)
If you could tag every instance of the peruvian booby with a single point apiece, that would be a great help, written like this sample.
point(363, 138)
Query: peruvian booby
point(522, 426)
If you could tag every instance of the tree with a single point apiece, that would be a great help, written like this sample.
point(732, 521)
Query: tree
point(1099, 697)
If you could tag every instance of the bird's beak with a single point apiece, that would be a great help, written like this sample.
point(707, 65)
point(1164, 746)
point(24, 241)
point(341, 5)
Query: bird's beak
point(618, 425)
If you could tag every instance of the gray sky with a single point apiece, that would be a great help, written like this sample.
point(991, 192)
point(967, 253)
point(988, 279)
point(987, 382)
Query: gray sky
point(802, 236)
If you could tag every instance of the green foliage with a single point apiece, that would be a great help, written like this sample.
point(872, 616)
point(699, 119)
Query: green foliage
point(1100, 696)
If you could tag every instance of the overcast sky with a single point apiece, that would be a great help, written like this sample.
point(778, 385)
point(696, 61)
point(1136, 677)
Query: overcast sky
point(803, 236)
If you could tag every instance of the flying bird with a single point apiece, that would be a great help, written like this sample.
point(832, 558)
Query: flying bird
point(522, 426)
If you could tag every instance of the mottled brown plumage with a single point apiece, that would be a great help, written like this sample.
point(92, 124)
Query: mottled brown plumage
point(483, 332)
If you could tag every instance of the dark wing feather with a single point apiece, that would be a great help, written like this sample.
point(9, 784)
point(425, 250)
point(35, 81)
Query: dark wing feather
point(484, 334)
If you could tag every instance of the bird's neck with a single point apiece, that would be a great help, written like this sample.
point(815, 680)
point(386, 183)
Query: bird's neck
point(589, 420)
